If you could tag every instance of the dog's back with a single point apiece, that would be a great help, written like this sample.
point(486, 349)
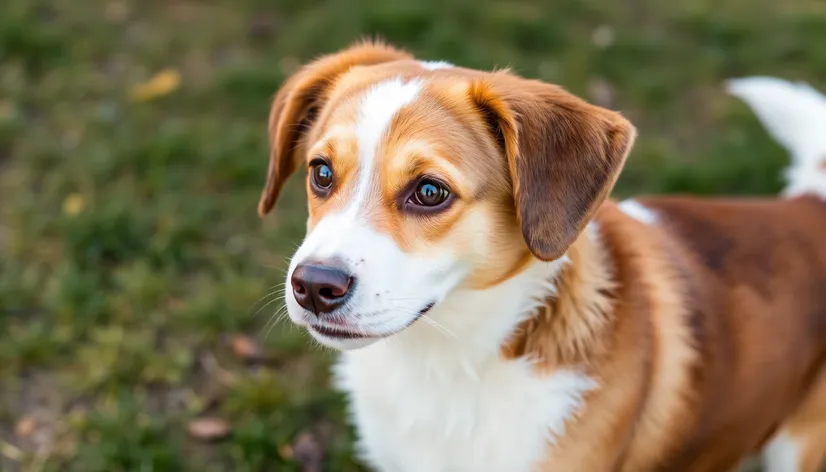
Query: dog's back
point(755, 284)
point(755, 279)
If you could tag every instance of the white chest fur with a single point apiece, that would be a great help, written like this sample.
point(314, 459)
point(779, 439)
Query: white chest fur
point(427, 401)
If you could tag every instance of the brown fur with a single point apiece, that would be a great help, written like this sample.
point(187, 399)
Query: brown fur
point(755, 271)
point(716, 339)
point(706, 330)
point(564, 155)
point(296, 106)
point(570, 328)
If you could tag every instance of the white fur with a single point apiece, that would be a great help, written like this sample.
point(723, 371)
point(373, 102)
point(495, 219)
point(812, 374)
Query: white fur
point(434, 394)
point(781, 454)
point(434, 65)
point(425, 400)
point(380, 104)
point(636, 210)
point(392, 286)
point(795, 116)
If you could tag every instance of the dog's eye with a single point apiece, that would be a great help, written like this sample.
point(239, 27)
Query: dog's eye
point(322, 175)
point(430, 193)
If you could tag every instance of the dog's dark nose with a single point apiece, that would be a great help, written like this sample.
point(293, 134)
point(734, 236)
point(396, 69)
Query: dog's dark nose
point(320, 288)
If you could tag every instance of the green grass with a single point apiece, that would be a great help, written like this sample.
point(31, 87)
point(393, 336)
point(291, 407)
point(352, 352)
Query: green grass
point(130, 250)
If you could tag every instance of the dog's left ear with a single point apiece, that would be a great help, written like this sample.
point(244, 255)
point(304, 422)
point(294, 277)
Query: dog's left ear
point(298, 103)
point(563, 153)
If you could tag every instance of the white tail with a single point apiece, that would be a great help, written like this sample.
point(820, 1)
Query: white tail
point(795, 116)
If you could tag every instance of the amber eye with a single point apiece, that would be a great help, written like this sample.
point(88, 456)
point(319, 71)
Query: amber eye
point(430, 193)
point(322, 175)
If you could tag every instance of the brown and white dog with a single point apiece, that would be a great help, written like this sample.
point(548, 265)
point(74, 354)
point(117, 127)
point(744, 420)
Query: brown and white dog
point(497, 312)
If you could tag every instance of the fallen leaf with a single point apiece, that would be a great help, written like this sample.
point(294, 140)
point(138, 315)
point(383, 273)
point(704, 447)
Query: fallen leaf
point(208, 429)
point(116, 11)
point(181, 11)
point(7, 111)
point(307, 452)
point(25, 427)
point(162, 83)
point(214, 369)
point(286, 451)
point(73, 204)
point(245, 348)
point(10, 451)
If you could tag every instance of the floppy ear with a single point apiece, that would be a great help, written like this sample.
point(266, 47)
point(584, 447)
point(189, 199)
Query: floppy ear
point(298, 103)
point(563, 153)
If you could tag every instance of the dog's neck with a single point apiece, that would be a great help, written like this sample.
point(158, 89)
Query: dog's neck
point(571, 325)
point(551, 313)
point(474, 392)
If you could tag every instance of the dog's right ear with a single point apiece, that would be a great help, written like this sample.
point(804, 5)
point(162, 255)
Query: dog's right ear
point(298, 103)
point(564, 155)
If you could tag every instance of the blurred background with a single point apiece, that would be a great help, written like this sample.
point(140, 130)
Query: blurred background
point(138, 287)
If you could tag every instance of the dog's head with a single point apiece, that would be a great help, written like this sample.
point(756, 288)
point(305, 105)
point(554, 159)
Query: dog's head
point(424, 179)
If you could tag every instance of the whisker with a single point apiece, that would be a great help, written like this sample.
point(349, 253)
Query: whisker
point(279, 267)
point(271, 290)
point(273, 320)
point(274, 299)
point(266, 298)
point(276, 320)
point(439, 326)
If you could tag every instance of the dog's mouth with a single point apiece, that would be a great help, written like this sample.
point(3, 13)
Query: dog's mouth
point(349, 331)
point(339, 333)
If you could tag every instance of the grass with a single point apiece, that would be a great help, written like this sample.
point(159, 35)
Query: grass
point(130, 252)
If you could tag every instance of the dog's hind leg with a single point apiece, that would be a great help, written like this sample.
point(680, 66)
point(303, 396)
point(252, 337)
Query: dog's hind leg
point(800, 444)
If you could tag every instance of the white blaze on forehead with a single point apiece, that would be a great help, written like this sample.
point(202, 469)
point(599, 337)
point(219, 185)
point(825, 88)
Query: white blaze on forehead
point(378, 107)
point(433, 65)
point(333, 235)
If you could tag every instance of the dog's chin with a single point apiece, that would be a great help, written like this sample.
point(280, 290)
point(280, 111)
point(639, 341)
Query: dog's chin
point(347, 337)
point(344, 336)
point(341, 344)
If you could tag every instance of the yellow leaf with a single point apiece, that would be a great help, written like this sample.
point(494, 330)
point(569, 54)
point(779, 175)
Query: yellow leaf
point(209, 429)
point(25, 427)
point(10, 451)
point(286, 451)
point(7, 111)
point(162, 83)
point(73, 204)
